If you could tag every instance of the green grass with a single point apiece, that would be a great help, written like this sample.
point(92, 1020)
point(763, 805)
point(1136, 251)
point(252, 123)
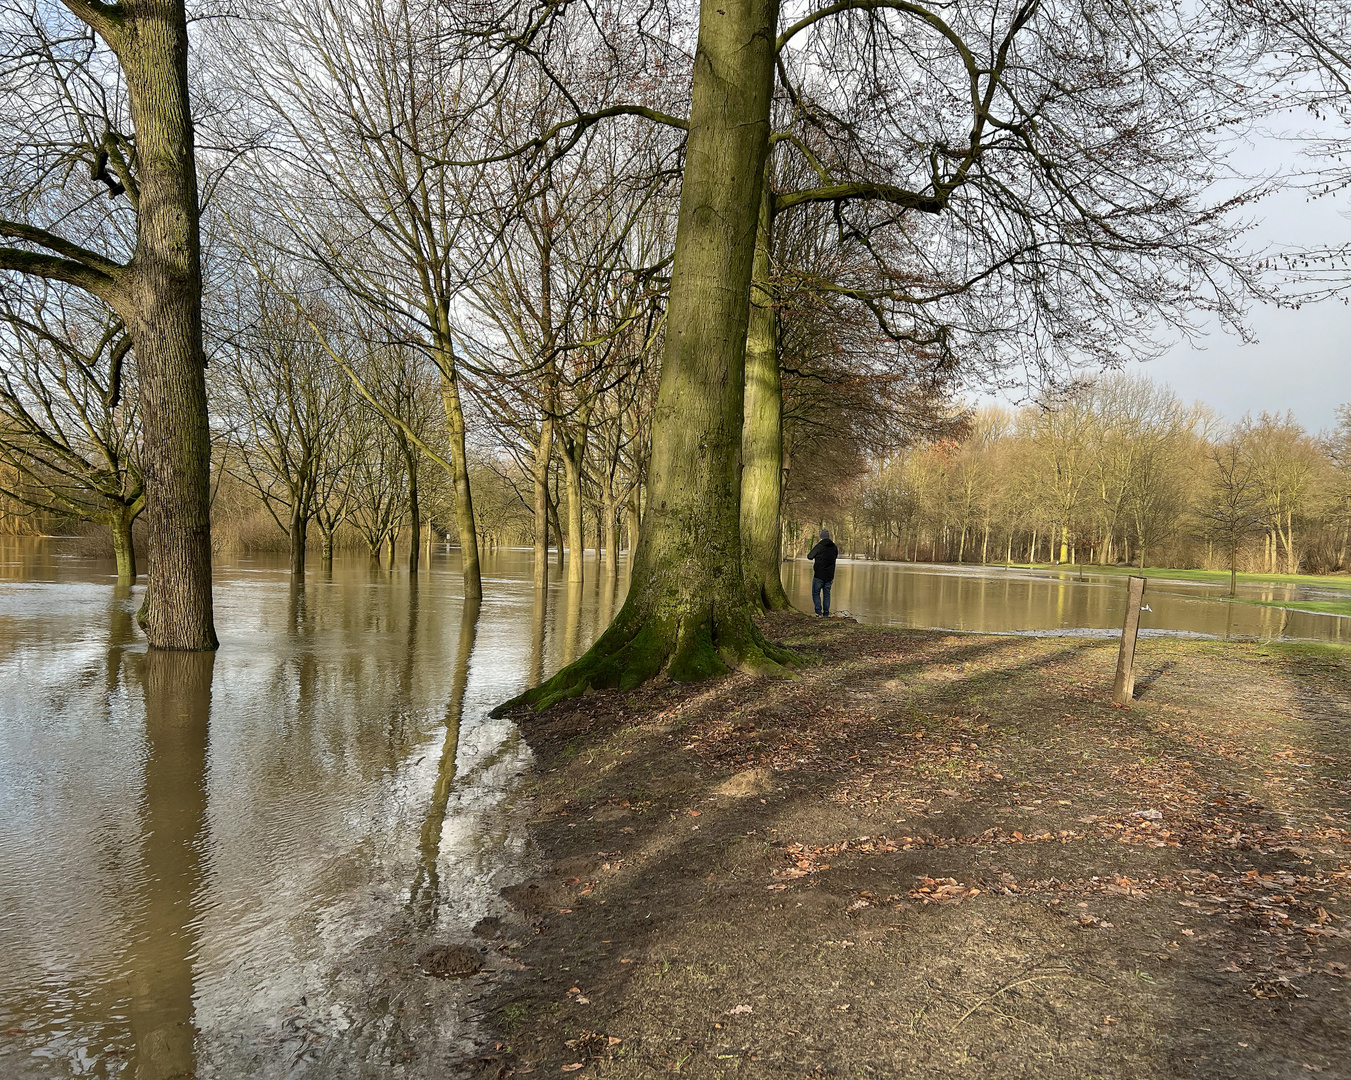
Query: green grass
point(1317, 607)
point(1219, 577)
point(1310, 650)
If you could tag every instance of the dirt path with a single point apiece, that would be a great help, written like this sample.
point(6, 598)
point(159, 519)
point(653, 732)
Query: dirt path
point(940, 855)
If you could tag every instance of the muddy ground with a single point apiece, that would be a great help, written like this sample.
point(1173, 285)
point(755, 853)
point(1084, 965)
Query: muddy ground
point(939, 855)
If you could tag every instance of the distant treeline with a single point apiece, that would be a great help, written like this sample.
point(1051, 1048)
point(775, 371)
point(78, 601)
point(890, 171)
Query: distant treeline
point(1115, 471)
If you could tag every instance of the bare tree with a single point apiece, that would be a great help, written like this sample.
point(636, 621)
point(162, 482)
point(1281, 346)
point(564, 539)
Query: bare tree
point(286, 402)
point(1233, 508)
point(68, 403)
point(102, 89)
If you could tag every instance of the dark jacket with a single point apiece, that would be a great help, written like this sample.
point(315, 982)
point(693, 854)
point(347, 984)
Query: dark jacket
point(824, 555)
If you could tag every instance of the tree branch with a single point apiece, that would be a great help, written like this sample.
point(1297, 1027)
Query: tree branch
point(929, 204)
point(68, 262)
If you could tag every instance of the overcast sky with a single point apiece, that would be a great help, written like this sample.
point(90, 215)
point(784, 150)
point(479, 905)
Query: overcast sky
point(1301, 360)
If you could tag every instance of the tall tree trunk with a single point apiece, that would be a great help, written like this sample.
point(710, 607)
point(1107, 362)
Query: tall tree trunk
point(299, 523)
point(558, 528)
point(414, 510)
point(762, 435)
point(124, 547)
point(326, 547)
point(543, 451)
point(163, 315)
point(686, 610)
point(610, 517)
point(464, 499)
point(631, 512)
point(573, 453)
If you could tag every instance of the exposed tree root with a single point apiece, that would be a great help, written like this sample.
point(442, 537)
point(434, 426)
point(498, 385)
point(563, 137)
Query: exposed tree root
point(636, 648)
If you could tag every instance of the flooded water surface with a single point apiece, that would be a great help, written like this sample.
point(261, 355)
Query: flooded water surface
point(988, 599)
point(227, 866)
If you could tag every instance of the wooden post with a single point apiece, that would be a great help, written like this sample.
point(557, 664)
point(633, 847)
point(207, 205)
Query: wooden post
point(1124, 690)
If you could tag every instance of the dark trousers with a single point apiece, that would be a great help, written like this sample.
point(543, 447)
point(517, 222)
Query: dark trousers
point(821, 596)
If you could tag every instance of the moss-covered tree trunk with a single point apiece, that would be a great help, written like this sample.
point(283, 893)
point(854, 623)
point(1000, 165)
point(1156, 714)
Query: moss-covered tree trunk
point(686, 609)
point(762, 437)
point(164, 320)
point(299, 529)
point(124, 547)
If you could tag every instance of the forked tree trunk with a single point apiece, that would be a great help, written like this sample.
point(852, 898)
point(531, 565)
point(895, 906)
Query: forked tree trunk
point(163, 315)
point(686, 610)
point(762, 436)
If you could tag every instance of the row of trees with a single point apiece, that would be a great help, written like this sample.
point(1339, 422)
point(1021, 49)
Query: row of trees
point(630, 242)
point(1115, 471)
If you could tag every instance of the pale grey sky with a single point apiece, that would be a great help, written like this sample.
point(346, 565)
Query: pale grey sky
point(1301, 359)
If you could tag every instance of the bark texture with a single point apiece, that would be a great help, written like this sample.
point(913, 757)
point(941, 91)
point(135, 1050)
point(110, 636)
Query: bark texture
point(686, 609)
point(762, 437)
point(164, 320)
point(464, 499)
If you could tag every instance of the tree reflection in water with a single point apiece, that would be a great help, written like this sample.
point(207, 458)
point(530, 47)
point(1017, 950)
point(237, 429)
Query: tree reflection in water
point(424, 897)
point(162, 947)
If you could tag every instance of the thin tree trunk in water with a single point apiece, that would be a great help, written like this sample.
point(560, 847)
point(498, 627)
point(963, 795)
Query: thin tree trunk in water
point(685, 610)
point(762, 436)
point(558, 528)
point(124, 547)
point(162, 308)
point(464, 499)
point(572, 456)
point(298, 528)
point(543, 451)
point(414, 512)
point(326, 548)
point(610, 513)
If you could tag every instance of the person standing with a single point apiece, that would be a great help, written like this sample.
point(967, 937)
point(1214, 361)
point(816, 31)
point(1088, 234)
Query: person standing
point(823, 555)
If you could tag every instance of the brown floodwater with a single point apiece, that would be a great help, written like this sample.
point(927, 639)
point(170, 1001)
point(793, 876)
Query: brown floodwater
point(226, 866)
point(985, 599)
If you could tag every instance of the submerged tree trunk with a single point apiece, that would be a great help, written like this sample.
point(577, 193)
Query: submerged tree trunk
point(164, 320)
point(298, 529)
point(572, 477)
point(543, 451)
point(762, 436)
point(124, 547)
point(464, 499)
point(686, 610)
point(414, 511)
